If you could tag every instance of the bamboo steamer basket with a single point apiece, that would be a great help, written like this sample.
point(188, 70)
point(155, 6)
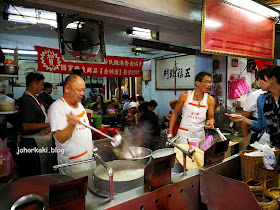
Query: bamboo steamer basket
point(250, 165)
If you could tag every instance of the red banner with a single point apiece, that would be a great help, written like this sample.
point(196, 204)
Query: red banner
point(229, 30)
point(50, 60)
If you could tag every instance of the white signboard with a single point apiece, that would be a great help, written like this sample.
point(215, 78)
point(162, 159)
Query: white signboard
point(184, 73)
point(27, 67)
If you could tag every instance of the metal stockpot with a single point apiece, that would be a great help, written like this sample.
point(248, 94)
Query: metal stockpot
point(9, 69)
point(165, 152)
point(126, 176)
point(141, 154)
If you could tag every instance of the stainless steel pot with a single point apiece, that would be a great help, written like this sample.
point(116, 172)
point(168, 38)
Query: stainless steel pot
point(9, 69)
point(127, 175)
point(141, 154)
point(162, 152)
point(165, 152)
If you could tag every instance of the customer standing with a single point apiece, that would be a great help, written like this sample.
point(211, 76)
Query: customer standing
point(45, 95)
point(250, 109)
point(71, 137)
point(197, 106)
point(35, 129)
point(268, 106)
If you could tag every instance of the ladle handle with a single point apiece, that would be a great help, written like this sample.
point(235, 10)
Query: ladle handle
point(98, 131)
point(195, 157)
point(71, 164)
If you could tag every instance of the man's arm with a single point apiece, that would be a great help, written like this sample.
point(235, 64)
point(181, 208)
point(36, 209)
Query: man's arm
point(244, 126)
point(210, 113)
point(182, 99)
point(34, 126)
point(65, 134)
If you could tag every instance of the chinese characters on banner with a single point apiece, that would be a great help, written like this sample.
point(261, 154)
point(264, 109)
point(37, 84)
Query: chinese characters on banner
point(184, 73)
point(228, 30)
point(50, 60)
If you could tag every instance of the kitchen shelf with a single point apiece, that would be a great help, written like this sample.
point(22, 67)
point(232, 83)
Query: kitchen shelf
point(8, 112)
point(7, 76)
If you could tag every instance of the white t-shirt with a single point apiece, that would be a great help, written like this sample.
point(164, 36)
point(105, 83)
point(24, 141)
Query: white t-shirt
point(251, 102)
point(79, 146)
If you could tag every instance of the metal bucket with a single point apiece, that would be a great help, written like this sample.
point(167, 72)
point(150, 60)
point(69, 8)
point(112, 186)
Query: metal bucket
point(127, 175)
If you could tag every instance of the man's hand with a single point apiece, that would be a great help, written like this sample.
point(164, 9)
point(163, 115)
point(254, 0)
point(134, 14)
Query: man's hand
point(209, 124)
point(72, 119)
point(166, 117)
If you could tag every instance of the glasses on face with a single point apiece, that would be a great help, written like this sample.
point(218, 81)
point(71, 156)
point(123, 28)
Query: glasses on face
point(207, 82)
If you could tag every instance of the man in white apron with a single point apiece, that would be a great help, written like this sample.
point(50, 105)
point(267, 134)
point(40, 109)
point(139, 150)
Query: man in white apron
point(197, 106)
point(73, 140)
point(36, 139)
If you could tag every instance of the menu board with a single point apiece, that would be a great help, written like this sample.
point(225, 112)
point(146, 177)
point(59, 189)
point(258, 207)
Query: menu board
point(27, 67)
point(229, 30)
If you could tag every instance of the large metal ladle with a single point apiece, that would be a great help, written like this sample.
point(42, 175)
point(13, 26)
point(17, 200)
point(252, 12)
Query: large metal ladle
point(115, 141)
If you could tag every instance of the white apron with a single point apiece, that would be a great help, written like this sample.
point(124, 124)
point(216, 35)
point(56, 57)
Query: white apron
point(193, 119)
point(78, 147)
point(43, 141)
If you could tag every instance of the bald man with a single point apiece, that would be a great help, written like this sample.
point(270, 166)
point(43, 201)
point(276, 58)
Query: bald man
point(73, 140)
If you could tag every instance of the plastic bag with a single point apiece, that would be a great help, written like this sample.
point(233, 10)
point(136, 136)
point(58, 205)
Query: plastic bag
point(207, 143)
point(269, 159)
point(6, 103)
point(10, 169)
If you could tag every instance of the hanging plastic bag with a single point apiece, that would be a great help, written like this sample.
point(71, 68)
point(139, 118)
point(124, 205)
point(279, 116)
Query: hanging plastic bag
point(269, 159)
point(10, 169)
point(207, 143)
point(6, 103)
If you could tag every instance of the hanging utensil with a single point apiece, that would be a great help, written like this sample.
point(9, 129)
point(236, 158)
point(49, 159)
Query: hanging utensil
point(221, 135)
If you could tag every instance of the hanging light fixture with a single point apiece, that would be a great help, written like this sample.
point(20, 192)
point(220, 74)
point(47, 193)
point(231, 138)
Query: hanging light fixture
point(143, 33)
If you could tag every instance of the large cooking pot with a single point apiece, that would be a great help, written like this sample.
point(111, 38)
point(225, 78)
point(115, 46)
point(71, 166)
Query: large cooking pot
point(178, 168)
point(162, 152)
point(141, 154)
point(9, 69)
point(127, 175)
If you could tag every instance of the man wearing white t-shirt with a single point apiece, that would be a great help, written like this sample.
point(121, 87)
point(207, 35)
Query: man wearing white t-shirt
point(250, 109)
point(73, 140)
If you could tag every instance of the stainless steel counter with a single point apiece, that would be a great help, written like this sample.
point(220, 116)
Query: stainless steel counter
point(182, 193)
point(217, 186)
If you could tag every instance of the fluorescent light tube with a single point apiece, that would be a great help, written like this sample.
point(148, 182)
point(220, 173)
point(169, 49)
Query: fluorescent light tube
point(254, 7)
point(34, 20)
point(23, 52)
